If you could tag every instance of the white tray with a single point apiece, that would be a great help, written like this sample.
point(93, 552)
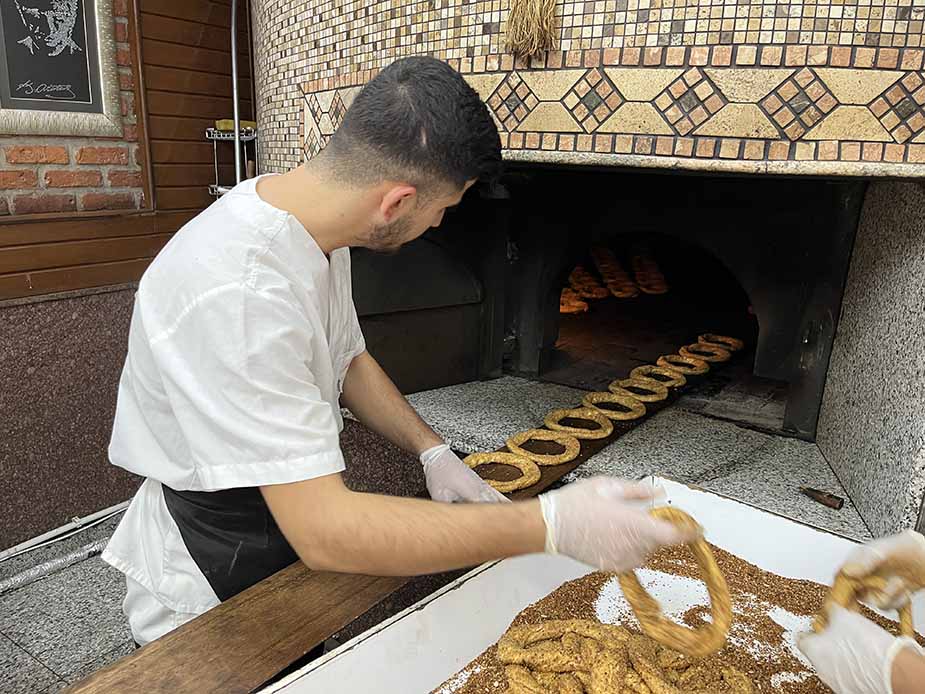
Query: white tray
point(421, 647)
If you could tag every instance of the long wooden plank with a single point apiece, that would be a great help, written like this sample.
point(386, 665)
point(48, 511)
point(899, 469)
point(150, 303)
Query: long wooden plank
point(193, 197)
point(66, 279)
point(178, 128)
point(201, 11)
point(239, 645)
point(90, 227)
point(181, 31)
point(188, 152)
point(175, 55)
point(70, 253)
point(179, 175)
point(185, 81)
point(170, 104)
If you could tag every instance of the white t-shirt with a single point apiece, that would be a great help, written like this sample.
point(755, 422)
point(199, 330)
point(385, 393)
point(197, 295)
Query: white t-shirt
point(241, 335)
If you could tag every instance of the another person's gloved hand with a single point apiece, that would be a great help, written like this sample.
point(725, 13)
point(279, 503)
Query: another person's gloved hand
point(597, 522)
point(450, 479)
point(854, 655)
point(899, 558)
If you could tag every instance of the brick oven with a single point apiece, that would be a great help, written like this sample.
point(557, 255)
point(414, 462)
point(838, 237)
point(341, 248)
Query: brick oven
point(766, 155)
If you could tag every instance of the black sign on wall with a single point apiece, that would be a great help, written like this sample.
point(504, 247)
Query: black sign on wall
point(48, 56)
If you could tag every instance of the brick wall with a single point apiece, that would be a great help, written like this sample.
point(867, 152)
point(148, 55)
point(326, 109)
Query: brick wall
point(66, 174)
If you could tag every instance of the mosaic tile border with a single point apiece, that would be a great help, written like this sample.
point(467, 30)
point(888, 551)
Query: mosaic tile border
point(759, 109)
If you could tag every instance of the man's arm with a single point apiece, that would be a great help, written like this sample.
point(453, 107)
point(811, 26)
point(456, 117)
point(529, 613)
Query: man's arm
point(334, 529)
point(597, 521)
point(372, 397)
point(908, 672)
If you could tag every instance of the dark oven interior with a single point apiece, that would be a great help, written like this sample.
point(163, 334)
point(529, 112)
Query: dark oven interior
point(763, 259)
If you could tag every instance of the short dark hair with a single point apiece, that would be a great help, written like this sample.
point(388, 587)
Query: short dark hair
point(417, 121)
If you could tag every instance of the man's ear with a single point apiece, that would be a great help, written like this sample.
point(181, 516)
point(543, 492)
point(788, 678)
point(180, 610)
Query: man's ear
point(397, 201)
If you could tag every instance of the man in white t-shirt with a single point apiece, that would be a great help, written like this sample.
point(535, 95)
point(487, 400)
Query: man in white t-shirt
point(243, 344)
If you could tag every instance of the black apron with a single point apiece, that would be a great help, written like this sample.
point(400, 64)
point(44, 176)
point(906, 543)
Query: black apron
point(231, 535)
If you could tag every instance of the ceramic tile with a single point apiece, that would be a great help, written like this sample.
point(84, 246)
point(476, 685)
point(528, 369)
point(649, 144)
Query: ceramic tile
point(20, 673)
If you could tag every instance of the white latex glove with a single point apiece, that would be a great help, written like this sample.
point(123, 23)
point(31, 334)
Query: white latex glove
point(898, 558)
point(854, 655)
point(450, 479)
point(600, 521)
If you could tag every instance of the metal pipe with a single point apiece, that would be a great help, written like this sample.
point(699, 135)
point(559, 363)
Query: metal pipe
point(234, 90)
point(21, 580)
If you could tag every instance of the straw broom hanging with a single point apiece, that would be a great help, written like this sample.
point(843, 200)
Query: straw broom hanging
point(531, 27)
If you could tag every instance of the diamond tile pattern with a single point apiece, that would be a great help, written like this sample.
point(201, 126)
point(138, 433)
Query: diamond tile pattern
point(689, 101)
point(899, 108)
point(314, 107)
point(338, 111)
point(512, 101)
point(592, 99)
point(312, 144)
point(799, 102)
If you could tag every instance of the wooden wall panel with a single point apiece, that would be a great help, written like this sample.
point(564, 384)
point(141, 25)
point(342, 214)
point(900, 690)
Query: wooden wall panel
point(183, 59)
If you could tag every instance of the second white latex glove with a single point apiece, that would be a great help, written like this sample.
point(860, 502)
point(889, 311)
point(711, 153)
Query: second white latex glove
point(898, 558)
point(853, 655)
point(601, 522)
point(450, 479)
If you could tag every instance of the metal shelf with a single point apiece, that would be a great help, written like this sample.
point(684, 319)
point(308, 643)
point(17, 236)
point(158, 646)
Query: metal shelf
point(217, 191)
point(247, 134)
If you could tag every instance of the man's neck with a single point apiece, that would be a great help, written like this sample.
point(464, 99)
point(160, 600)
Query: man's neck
point(330, 214)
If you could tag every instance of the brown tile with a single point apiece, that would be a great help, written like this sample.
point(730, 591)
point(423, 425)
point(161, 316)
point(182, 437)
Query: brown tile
point(532, 141)
point(828, 150)
point(919, 96)
point(771, 56)
point(772, 103)
point(677, 88)
point(804, 77)
point(890, 120)
point(810, 116)
point(584, 143)
point(815, 90)
point(652, 56)
point(507, 63)
point(554, 59)
point(703, 90)
point(673, 114)
point(684, 126)
point(901, 134)
point(630, 56)
point(917, 122)
point(684, 146)
point(611, 56)
point(700, 55)
point(566, 142)
point(754, 149)
point(841, 56)
point(692, 77)
point(664, 145)
point(912, 81)
point(644, 144)
point(864, 57)
point(818, 55)
point(623, 144)
point(714, 103)
point(911, 59)
point(895, 95)
point(722, 56)
point(478, 64)
point(516, 141)
point(779, 150)
point(699, 115)
point(603, 144)
point(729, 148)
point(879, 107)
point(592, 58)
point(493, 63)
point(573, 58)
point(805, 151)
point(663, 101)
point(894, 152)
point(582, 88)
point(794, 130)
point(795, 55)
point(888, 58)
point(872, 151)
point(851, 151)
point(706, 146)
point(917, 154)
point(783, 117)
point(826, 103)
point(549, 141)
point(675, 55)
point(788, 90)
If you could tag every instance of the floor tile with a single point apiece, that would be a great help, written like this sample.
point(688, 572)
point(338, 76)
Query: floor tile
point(20, 673)
point(102, 661)
point(480, 416)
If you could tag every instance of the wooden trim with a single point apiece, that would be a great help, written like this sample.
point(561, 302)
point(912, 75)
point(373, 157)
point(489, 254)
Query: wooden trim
point(188, 33)
point(46, 256)
point(141, 107)
point(237, 646)
point(22, 284)
point(88, 227)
